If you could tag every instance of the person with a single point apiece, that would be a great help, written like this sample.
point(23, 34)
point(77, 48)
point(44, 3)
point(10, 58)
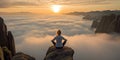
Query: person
point(58, 44)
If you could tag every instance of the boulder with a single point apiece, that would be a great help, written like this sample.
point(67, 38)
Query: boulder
point(59, 54)
point(22, 56)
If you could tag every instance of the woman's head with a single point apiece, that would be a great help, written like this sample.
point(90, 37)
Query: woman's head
point(58, 32)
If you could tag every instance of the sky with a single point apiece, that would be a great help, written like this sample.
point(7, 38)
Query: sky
point(44, 6)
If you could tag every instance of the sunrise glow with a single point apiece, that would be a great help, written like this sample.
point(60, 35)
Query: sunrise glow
point(56, 8)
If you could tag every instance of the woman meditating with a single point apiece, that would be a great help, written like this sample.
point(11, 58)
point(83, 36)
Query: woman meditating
point(58, 38)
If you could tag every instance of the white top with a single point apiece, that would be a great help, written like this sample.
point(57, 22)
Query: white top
point(59, 41)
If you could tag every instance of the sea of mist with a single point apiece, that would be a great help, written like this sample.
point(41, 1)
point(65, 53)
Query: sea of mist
point(33, 34)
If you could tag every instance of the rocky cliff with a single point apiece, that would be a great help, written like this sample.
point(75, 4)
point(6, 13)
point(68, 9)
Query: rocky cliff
point(95, 24)
point(59, 54)
point(108, 24)
point(6, 41)
point(7, 45)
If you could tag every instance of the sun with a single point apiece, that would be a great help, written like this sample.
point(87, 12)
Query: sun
point(56, 8)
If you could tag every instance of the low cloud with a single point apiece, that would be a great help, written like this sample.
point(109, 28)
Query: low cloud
point(86, 46)
point(34, 33)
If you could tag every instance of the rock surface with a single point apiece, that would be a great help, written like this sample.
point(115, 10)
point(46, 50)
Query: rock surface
point(59, 54)
point(95, 24)
point(109, 24)
point(7, 45)
point(6, 41)
point(3, 33)
point(11, 44)
point(22, 56)
point(6, 37)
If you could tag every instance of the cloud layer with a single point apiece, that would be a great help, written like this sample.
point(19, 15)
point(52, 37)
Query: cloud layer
point(86, 46)
point(34, 33)
point(10, 3)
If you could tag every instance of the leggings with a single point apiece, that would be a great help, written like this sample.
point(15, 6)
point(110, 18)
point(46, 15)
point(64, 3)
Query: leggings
point(59, 47)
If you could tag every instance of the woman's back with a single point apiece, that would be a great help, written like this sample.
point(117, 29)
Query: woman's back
point(59, 39)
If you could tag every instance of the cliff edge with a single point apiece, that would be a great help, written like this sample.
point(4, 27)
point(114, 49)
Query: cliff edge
point(108, 24)
point(59, 54)
point(7, 45)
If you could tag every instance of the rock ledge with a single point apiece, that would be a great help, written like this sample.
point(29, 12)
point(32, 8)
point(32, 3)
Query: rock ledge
point(59, 54)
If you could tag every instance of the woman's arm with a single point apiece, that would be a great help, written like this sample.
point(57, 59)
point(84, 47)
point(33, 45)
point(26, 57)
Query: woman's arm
point(65, 40)
point(53, 41)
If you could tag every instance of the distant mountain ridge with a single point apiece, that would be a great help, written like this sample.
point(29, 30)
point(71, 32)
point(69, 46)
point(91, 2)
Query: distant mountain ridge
point(95, 15)
point(95, 12)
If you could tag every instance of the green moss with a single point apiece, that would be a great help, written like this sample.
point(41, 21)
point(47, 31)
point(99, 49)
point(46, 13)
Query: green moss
point(6, 50)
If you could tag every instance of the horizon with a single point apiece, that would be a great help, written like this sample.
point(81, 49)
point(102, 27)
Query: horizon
point(44, 7)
